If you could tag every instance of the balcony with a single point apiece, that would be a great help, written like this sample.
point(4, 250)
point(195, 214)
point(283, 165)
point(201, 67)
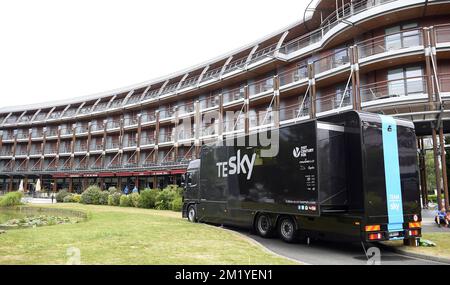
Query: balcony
point(66, 131)
point(148, 117)
point(6, 152)
point(442, 33)
point(96, 147)
point(260, 54)
point(113, 125)
point(170, 88)
point(130, 143)
point(189, 82)
point(233, 95)
point(51, 150)
point(260, 86)
point(165, 137)
point(21, 151)
point(295, 111)
point(97, 127)
point(234, 65)
point(397, 90)
point(52, 132)
point(333, 101)
point(152, 94)
point(65, 149)
point(83, 129)
point(37, 134)
point(444, 82)
point(186, 108)
point(147, 141)
point(331, 21)
point(293, 75)
point(210, 101)
point(81, 148)
point(166, 113)
point(212, 74)
point(329, 62)
point(184, 134)
point(391, 42)
point(113, 145)
point(23, 136)
point(130, 121)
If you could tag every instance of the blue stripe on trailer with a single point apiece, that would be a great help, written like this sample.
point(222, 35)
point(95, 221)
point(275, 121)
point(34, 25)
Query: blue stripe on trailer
point(392, 174)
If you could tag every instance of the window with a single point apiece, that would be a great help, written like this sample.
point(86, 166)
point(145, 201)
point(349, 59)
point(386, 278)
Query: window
point(405, 81)
point(402, 36)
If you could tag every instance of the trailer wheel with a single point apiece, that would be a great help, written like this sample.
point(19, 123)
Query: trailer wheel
point(287, 230)
point(192, 214)
point(264, 226)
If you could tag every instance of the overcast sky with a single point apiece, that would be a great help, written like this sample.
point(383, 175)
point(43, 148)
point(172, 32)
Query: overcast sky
point(53, 49)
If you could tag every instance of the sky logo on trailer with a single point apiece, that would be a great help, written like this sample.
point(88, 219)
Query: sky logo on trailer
point(236, 165)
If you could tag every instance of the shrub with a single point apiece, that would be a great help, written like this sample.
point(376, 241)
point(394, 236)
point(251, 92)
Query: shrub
point(177, 204)
point(135, 197)
point(11, 199)
point(61, 195)
point(103, 199)
point(147, 199)
point(76, 198)
point(113, 190)
point(125, 201)
point(91, 195)
point(68, 199)
point(114, 199)
point(164, 198)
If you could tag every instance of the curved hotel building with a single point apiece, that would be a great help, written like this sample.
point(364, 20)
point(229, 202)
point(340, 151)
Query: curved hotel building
point(383, 56)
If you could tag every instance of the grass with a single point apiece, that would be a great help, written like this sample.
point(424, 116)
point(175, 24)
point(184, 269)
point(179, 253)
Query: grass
point(442, 248)
point(114, 235)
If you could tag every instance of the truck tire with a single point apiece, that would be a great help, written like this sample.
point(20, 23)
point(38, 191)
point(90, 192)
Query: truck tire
point(192, 214)
point(263, 226)
point(287, 230)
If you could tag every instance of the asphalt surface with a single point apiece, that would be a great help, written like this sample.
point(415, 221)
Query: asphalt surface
point(330, 253)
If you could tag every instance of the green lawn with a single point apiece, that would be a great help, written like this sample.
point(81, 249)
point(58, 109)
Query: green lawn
point(442, 248)
point(114, 235)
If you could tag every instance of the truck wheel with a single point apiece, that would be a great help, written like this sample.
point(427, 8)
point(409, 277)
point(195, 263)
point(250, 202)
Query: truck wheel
point(286, 229)
point(264, 226)
point(192, 214)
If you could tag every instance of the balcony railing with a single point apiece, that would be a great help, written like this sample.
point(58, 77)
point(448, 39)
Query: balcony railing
point(148, 117)
point(259, 54)
point(21, 136)
point(260, 86)
point(37, 134)
point(233, 94)
point(130, 143)
point(51, 150)
point(113, 124)
point(166, 137)
point(209, 102)
point(239, 63)
point(211, 74)
point(130, 121)
point(390, 42)
point(81, 148)
point(293, 111)
point(333, 101)
point(97, 127)
point(335, 60)
point(65, 149)
point(6, 152)
point(81, 129)
point(96, 147)
point(393, 88)
point(147, 141)
point(444, 82)
point(189, 82)
point(348, 10)
point(21, 151)
point(112, 145)
point(293, 75)
point(442, 33)
point(52, 133)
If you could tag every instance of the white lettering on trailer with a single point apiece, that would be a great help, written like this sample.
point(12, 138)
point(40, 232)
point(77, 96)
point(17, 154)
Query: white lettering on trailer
point(236, 165)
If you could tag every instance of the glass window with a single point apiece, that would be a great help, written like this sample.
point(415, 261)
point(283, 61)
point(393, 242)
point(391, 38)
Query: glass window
point(393, 38)
point(396, 86)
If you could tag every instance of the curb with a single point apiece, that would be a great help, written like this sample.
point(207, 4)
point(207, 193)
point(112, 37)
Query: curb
point(418, 255)
point(257, 243)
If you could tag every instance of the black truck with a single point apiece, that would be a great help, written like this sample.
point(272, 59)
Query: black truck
point(347, 177)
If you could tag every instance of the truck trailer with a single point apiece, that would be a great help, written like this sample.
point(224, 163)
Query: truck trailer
point(350, 177)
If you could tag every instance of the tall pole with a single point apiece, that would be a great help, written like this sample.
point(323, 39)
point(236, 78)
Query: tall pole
point(444, 166)
point(436, 168)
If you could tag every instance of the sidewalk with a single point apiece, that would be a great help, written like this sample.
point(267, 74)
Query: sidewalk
point(42, 201)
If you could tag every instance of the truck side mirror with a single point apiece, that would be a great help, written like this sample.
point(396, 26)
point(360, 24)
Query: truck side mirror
point(183, 180)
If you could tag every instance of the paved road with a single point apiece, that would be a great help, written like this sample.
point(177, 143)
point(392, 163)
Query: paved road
point(320, 252)
point(328, 253)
